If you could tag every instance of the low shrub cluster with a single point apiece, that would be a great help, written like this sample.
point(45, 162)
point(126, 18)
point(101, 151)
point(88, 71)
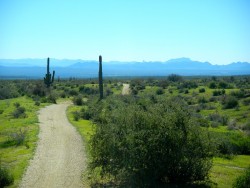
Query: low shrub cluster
point(243, 181)
point(5, 177)
point(143, 145)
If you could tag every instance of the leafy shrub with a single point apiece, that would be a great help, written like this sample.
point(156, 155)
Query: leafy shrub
point(18, 138)
point(230, 102)
point(202, 100)
point(246, 102)
point(19, 112)
point(37, 103)
point(202, 90)
point(222, 119)
point(16, 104)
point(76, 115)
point(223, 85)
point(159, 91)
point(142, 146)
point(174, 78)
point(243, 181)
point(5, 177)
point(218, 92)
point(1, 111)
point(73, 92)
point(51, 98)
point(212, 85)
point(85, 114)
point(78, 100)
point(240, 94)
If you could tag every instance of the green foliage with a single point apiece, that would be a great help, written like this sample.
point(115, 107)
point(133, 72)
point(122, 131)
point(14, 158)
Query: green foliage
point(159, 91)
point(78, 100)
point(19, 112)
point(230, 102)
point(218, 92)
point(202, 90)
point(5, 177)
point(212, 85)
point(143, 146)
point(175, 78)
point(243, 181)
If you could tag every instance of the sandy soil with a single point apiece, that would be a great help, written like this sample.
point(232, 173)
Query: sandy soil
point(59, 157)
point(125, 89)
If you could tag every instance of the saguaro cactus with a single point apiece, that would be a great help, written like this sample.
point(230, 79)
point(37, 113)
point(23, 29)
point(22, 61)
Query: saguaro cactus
point(100, 78)
point(48, 80)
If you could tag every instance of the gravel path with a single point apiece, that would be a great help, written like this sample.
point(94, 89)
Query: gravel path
point(60, 157)
point(125, 89)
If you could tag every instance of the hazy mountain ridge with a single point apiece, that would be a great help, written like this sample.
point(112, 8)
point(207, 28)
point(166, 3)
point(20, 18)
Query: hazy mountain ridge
point(35, 68)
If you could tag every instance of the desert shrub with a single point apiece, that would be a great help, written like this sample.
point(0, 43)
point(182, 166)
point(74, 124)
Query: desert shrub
point(159, 91)
point(73, 92)
point(5, 177)
point(243, 181)
point(143, 146)
point(218, 92)
point(77, 100)
point(18, 138)
point(202, 90)
point(76, 115)
point(202, 100)
point(51, 98)
point(39, 90)
point(175, 78)
point(19, 112)
point(223, 85)
point(37, 103)
point(240, 94)
point(246, 102)
point(212, 85)
point(16, 104)
point(85, 114)
point(231, 142)
point(230, 102)
point(163, 83)
point(221, 119)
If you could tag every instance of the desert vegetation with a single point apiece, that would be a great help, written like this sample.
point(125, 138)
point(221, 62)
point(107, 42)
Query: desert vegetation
point(168, 130)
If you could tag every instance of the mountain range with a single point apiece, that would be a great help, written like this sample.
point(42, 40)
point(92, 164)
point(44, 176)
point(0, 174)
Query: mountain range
point(35, 68)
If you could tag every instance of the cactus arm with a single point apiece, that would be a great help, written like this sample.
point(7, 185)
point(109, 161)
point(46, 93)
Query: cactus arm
point(53, 77)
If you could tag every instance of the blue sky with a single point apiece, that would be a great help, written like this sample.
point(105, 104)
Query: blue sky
point(217, 31)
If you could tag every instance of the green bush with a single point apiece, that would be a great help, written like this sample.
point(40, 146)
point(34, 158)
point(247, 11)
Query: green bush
point(243, 181)
point(162, 143)
point(202, 90)
point(159, 91)
point(19, 112)
point(5, 177)
point(230, 102)
point(78, 100)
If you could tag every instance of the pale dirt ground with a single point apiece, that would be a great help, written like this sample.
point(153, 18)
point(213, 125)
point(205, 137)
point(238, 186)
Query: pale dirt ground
point(125, 89)
point(59, 158)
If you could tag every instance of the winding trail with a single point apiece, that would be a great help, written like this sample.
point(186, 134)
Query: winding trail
point(59, 158)
point(125, 89)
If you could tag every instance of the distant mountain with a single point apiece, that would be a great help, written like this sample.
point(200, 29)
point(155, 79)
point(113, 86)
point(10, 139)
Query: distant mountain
point(35, 68)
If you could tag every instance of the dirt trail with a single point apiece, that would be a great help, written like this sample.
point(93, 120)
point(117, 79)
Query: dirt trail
point(60, 157)
point(125, 89)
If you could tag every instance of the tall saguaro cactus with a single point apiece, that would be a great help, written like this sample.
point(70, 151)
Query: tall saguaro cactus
point(100, 78)
point(48, 80)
